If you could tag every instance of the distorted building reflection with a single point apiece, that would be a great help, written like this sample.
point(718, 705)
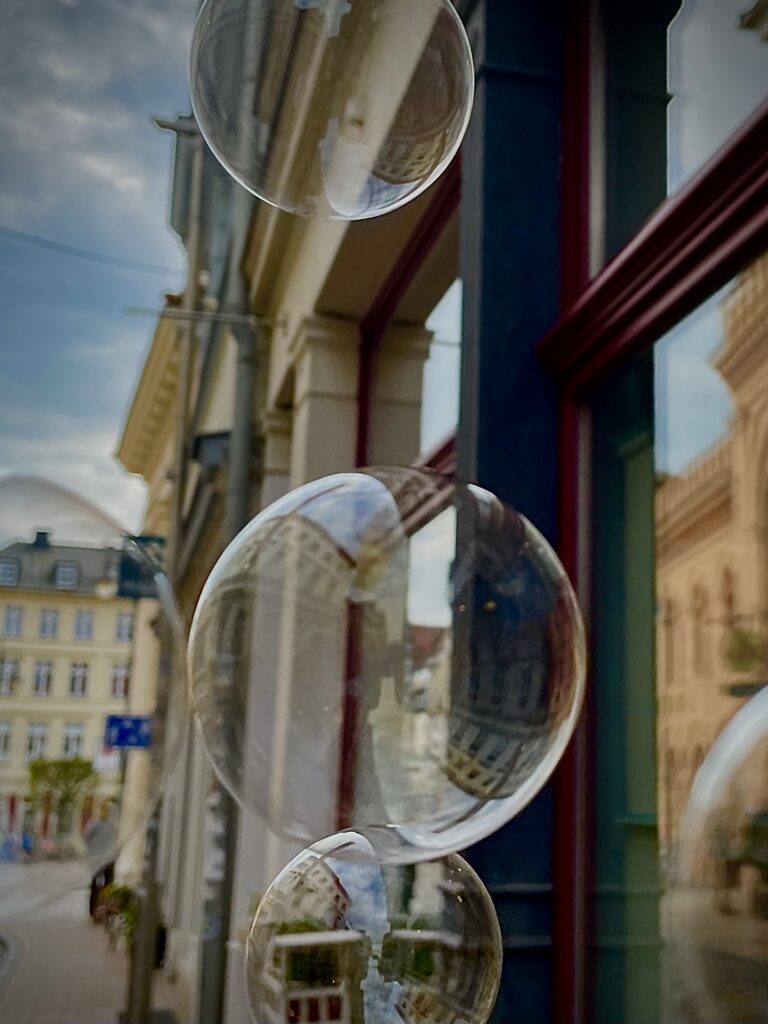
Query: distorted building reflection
point(395, 944)
point(712, 552)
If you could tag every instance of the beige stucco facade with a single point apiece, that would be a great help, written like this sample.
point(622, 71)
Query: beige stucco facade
point(312, 284)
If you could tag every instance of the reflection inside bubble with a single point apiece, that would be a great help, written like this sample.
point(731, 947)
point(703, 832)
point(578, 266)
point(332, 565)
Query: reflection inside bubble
point(339, 937)
point(387, 648)
point(341, 109)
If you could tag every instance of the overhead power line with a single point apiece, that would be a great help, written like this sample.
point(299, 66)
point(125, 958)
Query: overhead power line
point(86, 254)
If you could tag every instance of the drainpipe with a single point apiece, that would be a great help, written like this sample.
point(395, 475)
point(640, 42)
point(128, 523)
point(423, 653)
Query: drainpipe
point(148, 893)
point(237, 510)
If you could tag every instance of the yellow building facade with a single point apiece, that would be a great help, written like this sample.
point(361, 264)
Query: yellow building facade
point(66, 652)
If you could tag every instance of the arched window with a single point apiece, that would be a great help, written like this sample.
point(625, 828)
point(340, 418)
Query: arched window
point(728, 596)
point(701, 647)
point(668, 625)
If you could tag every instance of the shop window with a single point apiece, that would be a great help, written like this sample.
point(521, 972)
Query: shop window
point(681, 463)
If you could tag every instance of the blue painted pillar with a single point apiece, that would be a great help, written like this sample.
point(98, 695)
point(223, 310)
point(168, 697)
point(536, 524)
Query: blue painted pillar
point(508, 430)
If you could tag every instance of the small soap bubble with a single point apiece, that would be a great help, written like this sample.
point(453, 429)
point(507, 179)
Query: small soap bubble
point(336, 109)
point(388, 650)
point(340, 937)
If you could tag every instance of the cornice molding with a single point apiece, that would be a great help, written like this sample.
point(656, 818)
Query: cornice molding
point(153, 401)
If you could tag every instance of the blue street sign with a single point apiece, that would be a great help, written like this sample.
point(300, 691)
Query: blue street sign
point(128, 731)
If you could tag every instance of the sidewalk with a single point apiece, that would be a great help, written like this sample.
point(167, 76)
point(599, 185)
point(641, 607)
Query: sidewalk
point(60, 970)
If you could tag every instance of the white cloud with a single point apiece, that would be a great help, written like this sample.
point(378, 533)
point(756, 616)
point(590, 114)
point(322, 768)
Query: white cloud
point(693, 403)
point(80, 461)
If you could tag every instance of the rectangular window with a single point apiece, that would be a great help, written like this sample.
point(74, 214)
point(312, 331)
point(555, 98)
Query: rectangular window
point(120, 677)
point(67, 575)
point(37, 740)
point(124, 628)
point(43, 678)
point(13, 620)
point(83, 625)
point(73, 739)
point(9, 675)
point(6, 736)
point(78, 679)
point(49, 624)
point(9, 572)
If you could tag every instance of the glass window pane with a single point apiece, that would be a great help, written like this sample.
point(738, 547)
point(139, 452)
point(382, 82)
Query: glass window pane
point(680, 622)
point(712, 641)
point(718, 75)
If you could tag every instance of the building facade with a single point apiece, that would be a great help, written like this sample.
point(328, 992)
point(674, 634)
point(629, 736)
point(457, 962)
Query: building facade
point(66, 655)
point(589, 217)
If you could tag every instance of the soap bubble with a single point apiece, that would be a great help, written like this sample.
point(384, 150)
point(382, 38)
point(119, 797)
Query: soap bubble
point(92, 633)
point(341, 937)
point(716, 912)
point(337, 109)
point(387, 650)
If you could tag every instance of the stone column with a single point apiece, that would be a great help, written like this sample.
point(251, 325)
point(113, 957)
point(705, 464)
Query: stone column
point(276, 479)
point(395, 431)
point(325, 357)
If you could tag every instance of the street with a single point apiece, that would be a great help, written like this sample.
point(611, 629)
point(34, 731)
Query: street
point(56, 967)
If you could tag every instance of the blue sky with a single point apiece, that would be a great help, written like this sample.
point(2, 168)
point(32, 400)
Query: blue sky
point(83, 165)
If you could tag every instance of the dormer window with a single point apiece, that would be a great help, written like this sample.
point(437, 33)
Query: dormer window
point(67, 575)
point(9, 572)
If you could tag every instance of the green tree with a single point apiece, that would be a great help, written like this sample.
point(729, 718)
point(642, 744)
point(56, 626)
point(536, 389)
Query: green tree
point(59, 785)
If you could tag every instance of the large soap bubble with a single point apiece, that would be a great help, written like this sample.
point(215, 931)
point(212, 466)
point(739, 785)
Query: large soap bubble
point(387, 650)
point(340, 937)
point(338, 109)
point(716, 912)
point(92, 700)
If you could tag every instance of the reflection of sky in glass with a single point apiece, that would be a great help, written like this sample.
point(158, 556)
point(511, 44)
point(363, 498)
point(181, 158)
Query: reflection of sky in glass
point(355, 511)
point(432, 551)
point(693, 403)
point(718, 75)
point(364, 884)
point(440, 390)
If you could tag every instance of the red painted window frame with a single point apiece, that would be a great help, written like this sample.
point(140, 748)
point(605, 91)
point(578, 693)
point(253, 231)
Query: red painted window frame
point(696, 242)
